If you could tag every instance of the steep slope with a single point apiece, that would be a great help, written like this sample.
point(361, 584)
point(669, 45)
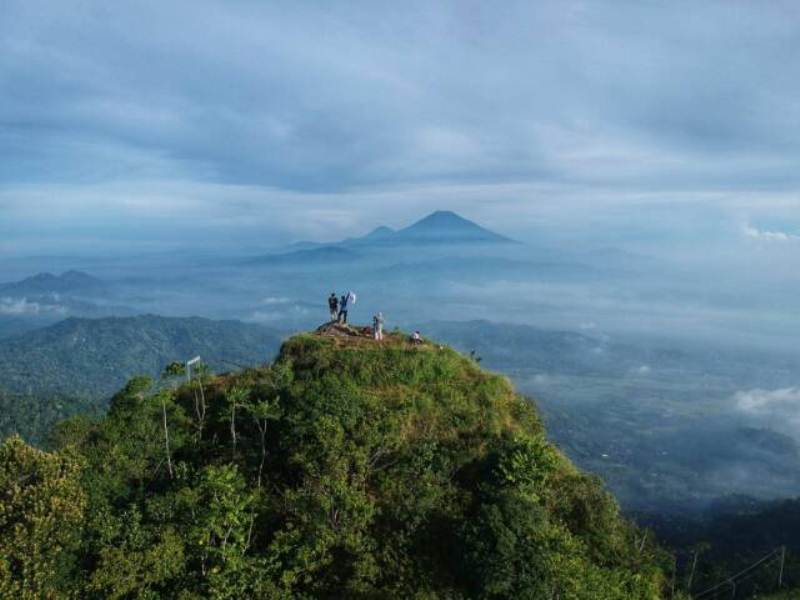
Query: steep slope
point(347, 469)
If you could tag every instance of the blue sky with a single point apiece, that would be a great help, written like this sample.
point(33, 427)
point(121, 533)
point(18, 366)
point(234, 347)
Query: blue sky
point(151, 124)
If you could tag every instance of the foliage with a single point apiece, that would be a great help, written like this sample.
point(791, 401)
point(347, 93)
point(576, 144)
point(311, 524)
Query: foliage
point(344, 469)
point(41, 507)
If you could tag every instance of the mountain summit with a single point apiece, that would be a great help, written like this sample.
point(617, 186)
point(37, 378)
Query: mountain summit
point(447, 226)
point(347, 468)
point(439, 227)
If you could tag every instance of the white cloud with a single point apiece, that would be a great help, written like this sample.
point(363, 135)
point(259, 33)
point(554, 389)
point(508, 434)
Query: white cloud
point(769, 236)
point(641, 370)
point(275, 300)
point(777, 409)
point(759, 402)
point(17, 307)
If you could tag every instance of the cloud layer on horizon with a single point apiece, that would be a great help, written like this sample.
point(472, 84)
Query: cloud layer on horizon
point(313, 120)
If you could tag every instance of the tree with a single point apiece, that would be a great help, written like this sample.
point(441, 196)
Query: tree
point(41, 507)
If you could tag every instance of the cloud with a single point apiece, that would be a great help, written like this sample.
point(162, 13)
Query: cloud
point(271, 300)
point(779, 409)
point(759, 401)
point(521, 115)
point(553, 90)
point(769, 236)
point(17, 307)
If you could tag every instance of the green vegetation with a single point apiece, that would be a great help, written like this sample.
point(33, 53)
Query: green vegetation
point(74, 366)
point(346, 469)
point(33, 416)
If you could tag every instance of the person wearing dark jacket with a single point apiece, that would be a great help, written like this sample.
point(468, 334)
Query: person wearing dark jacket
point(333, 305)
point(342, 317)
point(348, 299)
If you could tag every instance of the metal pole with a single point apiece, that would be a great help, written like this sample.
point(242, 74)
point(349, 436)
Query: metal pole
point(783, 560)
point(189, 364)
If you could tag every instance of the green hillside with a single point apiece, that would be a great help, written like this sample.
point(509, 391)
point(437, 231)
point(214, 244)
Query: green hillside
point(76, 365)
point(346, 469)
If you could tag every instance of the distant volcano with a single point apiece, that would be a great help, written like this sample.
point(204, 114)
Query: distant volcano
point(440, 227)
point(447, 226)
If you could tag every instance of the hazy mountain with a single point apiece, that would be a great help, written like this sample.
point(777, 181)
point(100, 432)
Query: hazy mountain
point(380, 233)
point(440, 228)
point(443, 227)
point(69, 282)
point(45, 298)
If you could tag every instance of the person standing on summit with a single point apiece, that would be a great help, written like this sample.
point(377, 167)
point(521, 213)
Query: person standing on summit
point(348, 299)
point(377, 327)
point(333, 305)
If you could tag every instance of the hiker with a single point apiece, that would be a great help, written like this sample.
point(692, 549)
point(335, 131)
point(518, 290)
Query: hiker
point(342, 316)
point(377, 327)
point(347, 299)
point(416, 338)
point(333, 305)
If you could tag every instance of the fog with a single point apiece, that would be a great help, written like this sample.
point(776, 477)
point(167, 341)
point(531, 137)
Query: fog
point(672, 374)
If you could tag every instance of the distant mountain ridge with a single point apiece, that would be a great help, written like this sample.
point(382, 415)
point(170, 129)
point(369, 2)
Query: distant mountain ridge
point(78, 363)
point(441, 227)
point(69, 282)
point(445, 226)
point(90, 357)
point(311, 256)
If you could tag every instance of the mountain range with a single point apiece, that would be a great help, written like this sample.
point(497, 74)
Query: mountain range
point(440, 228)
point(41, 284)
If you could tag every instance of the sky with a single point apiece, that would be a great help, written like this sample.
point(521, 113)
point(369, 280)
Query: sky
point(150, 125)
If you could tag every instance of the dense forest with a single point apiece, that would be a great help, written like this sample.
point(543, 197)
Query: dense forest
point(76, 365)
point(343, 469)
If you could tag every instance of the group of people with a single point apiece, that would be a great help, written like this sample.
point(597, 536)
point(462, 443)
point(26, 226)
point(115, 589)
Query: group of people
point(338, 309)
